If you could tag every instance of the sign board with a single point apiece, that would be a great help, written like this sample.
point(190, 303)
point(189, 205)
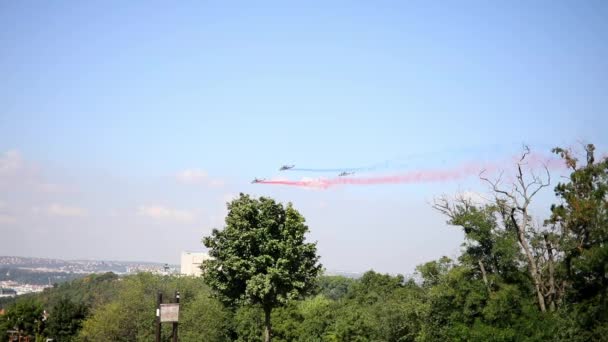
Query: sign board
point(169, 312)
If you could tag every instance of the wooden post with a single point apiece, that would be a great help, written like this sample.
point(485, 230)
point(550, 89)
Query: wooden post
point(175, 323)
point(159, 300)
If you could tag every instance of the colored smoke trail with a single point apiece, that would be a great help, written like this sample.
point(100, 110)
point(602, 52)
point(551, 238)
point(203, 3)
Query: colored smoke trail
point(374, 167)
point(402, 162)
point(423, 176)
point(419, 176)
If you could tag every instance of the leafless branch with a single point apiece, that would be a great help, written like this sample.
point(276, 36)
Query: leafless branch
point(495, 186)
point(526, 152)
point(542, 184)
point(442, 204)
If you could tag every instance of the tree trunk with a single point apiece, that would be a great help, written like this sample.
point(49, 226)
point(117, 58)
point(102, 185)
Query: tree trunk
point(534, 274)
point(267, 326)
point(521, 229)
point(518, 199)
point(483, 274)
point(552, 290)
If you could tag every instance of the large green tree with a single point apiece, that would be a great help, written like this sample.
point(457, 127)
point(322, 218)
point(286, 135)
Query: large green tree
point(66, 319)
point(581, 221)
point(261, 257)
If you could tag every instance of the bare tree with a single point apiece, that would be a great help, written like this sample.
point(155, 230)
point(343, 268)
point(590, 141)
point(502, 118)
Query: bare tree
point(514, 203)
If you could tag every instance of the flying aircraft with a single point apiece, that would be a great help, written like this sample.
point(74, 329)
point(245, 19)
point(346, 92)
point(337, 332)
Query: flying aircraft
point(286, 167)
point(344, 173)
point(257, 180)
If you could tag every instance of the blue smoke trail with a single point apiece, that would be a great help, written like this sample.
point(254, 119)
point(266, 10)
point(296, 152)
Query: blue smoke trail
point(432, 158)
point(378, 166)
point(324, 170)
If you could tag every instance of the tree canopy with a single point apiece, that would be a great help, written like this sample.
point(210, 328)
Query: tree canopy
point(261, 256)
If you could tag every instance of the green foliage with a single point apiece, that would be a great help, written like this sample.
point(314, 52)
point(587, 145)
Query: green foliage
point(582, 220)
point(261, 256)
point(391, 313)
point(306, 320)
point(130, 316)
point(486, 242)
point(287, 324)
point(487, 295)
point(378, 307)
point(24, 316)
point(353, 323)
point(204, 319)
point(459, 307)
point(248, 323)
point(374, 287)
point(334, 287)
point(432, 272)
point(317, 314)
point(65, 319)
point(90, 290)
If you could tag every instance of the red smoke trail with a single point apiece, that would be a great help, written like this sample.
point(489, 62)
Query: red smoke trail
point(420, 176)
point(423, 176)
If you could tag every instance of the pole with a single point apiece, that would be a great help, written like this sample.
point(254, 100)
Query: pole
point(159, 299)
point(175, 323)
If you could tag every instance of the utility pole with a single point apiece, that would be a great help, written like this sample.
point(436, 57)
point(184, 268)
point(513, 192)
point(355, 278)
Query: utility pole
point(159, 300)
point(175, 323)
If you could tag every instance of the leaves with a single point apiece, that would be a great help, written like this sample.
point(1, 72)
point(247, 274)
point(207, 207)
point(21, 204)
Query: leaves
point(261, 256)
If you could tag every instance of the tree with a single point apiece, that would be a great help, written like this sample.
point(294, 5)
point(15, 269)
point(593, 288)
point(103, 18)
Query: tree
point(204, 319)
point(582, 222)
point(514, 203)
point(130, 314)
point(490, 246)
point(458, 307)
point(25, 316)
point(261, 256)
point(66, 319)
point(318, 313)
point(334, 287)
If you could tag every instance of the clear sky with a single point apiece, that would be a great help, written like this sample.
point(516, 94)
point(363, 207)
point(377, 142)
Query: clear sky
point(126, 125)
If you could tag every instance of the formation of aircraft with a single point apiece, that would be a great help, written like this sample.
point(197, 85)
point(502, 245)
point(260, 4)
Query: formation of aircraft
point(288, 167)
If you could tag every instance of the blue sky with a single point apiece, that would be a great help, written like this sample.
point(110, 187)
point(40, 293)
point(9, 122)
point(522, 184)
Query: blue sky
point(114, 99)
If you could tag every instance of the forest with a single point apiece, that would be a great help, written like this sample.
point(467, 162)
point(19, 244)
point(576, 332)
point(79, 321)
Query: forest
point(516, 278)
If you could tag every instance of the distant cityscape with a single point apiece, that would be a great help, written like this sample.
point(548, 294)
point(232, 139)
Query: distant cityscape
point(22, 275)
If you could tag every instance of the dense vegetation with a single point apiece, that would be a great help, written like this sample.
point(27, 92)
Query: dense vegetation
point(514, 281)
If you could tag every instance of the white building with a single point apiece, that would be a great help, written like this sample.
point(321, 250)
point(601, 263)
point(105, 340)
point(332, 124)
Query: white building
point(191, 263)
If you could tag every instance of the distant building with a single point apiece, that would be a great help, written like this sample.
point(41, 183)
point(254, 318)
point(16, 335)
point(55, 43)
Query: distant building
point(7, 292)
point(191, 263)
